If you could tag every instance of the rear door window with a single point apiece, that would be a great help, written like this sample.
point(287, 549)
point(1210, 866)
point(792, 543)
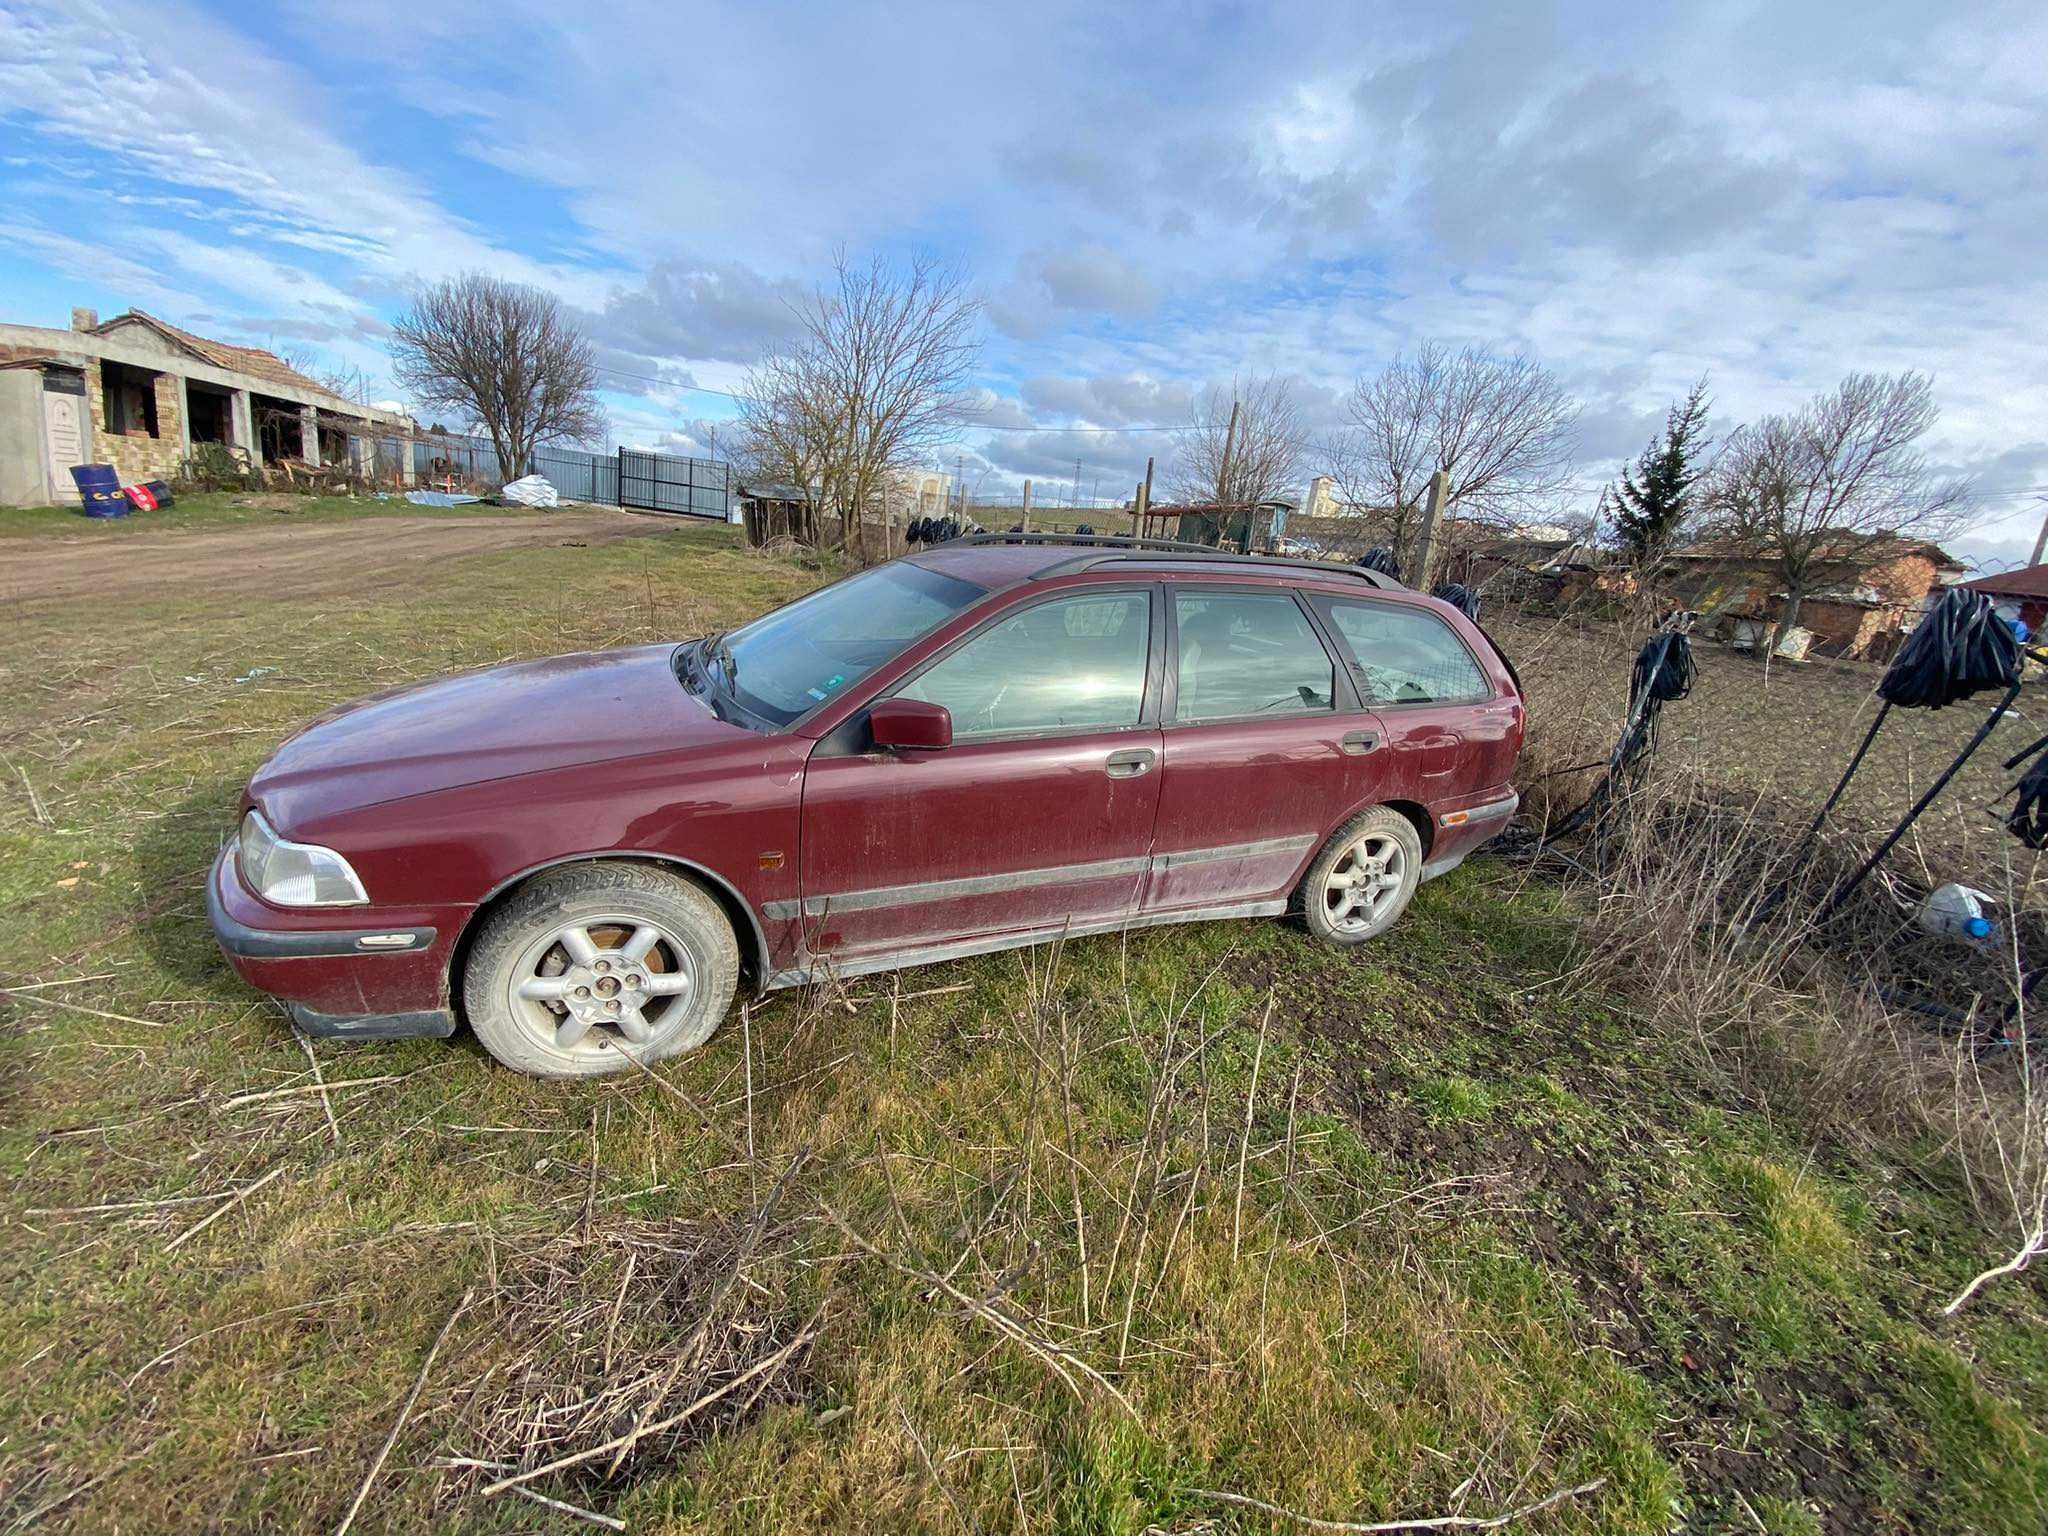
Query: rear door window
point(1404, 655)
point(1248, 653)
point(1073, 663)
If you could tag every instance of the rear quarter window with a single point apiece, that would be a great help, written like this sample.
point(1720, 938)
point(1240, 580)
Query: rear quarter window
point(1403, 655)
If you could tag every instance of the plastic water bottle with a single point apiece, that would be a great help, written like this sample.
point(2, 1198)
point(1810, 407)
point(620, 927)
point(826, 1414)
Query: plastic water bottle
point(1959, 912)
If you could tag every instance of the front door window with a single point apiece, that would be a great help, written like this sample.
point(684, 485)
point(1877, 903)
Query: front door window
point(1074, 663)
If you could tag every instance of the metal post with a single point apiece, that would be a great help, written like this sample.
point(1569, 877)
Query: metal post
point(1843, 892)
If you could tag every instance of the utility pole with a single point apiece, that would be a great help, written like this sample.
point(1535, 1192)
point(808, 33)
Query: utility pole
point(1229, 446)
point(1075, 500)
point(1420, 568)
point(1026, 519)
point(1144, 507)
point(2041, 542)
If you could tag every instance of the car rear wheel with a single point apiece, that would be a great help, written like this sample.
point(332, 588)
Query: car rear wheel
point(1362, 880)
point(587, 969)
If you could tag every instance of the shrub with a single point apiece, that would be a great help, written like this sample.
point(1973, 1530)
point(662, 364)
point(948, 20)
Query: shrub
point(217, 467)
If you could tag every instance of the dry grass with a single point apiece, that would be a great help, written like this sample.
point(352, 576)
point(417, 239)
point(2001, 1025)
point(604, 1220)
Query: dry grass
point(1055, 1242)
point(1861, 1026)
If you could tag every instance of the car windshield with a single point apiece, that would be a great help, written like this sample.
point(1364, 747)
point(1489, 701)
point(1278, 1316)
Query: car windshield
point(787, 663)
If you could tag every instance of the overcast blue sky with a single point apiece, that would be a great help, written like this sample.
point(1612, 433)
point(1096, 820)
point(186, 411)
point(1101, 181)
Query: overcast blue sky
point(1150, 198)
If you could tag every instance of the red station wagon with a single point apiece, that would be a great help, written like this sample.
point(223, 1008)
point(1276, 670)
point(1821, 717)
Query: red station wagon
point(992, 743)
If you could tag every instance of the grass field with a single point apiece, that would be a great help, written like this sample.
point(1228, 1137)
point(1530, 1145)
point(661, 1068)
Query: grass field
point(1051, 1242)
point(221, 509)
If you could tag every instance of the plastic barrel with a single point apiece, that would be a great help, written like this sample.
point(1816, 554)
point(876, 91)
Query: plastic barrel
point(99, 488)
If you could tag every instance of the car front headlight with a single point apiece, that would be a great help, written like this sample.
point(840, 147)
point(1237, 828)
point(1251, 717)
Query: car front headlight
point(288, 874)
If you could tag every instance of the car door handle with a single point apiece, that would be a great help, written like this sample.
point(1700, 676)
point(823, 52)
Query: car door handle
point(1358, 743)
point(1130, 763)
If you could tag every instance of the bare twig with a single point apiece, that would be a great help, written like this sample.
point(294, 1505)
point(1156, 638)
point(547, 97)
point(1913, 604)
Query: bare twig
point(240, 1322)
point(326, 1100)
point(1245, 1142)
point(11, 995)
point(405, 1413)
point(211, 1217)
point(1420, 1523)
point(661, 1426)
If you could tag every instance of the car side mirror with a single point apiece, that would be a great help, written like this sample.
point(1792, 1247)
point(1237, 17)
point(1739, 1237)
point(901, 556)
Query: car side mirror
point(910, 723)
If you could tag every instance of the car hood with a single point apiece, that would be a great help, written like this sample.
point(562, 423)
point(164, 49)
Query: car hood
point(525, 717)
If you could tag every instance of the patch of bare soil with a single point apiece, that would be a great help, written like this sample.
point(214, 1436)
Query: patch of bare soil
point(373, 557)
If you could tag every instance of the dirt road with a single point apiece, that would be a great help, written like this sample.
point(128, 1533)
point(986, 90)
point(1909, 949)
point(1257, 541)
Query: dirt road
point(371, 557)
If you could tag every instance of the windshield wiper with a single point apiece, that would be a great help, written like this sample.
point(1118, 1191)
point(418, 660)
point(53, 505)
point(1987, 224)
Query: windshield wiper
point(717, 649)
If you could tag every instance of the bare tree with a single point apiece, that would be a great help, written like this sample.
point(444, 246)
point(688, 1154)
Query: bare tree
point(344, 380)
point(1832, 481)
point(503, 355)
point(871, 385)
point(1258, 463)
point(1503, 427)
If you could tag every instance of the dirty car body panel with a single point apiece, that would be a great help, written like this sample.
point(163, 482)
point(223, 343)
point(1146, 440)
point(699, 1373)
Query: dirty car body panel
point(1137, 736)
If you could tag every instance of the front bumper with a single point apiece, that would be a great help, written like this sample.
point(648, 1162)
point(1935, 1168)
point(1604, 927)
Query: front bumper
point(381, 983)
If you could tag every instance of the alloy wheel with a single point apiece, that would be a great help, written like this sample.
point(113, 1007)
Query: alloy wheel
point(1366, 878)
point(599, 981)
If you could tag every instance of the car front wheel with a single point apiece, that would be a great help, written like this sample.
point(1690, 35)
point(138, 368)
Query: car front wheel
point(1362, 880)
point(590, 968)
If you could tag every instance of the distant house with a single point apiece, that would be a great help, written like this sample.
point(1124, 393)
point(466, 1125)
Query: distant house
point(1860, 602)
point(139, 393)
point(2020, 594)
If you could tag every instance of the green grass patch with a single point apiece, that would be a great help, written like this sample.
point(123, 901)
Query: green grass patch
point(1394, 1232)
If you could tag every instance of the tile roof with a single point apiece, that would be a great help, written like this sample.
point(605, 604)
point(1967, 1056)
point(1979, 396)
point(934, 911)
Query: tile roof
point(2027, 581)
point(253, 361)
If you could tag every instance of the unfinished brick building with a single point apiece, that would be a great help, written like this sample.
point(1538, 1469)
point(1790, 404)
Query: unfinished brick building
point(139, 393)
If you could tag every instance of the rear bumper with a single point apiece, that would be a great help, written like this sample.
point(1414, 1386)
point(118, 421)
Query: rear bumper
point(1463, 828)
point(354, 982)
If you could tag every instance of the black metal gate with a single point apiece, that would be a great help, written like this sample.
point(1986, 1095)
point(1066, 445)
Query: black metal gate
point(660, 482)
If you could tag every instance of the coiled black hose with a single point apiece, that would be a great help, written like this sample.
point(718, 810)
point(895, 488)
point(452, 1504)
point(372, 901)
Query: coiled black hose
point(1381, 559)
point(1459, 596)
point(1663, 672)
point(1961, 647)
point(2029, 818)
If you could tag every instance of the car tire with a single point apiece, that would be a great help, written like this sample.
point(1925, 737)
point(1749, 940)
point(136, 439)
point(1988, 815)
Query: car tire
point(1378, 855)
point(546, 1003)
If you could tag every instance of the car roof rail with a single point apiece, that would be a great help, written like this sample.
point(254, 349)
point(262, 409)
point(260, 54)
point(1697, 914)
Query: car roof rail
point(1202, 555)
point(1106, 540)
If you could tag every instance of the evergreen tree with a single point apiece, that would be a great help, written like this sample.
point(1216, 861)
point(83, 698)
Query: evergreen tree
point(1654, 498)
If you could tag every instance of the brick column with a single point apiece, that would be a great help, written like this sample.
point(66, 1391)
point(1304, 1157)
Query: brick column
point(309, 435)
